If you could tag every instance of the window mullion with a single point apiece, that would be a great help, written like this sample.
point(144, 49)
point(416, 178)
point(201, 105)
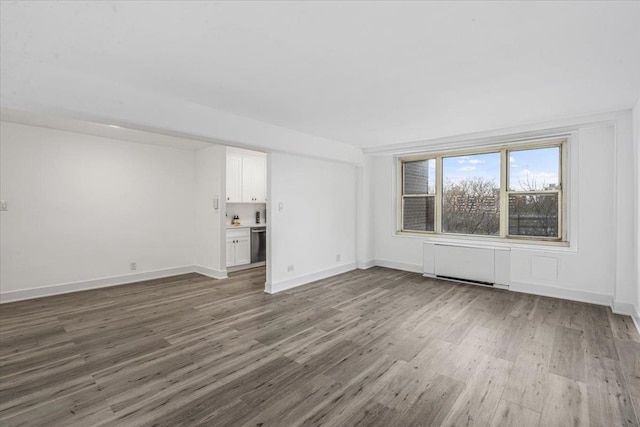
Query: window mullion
point(504, 197)
point(438, 200)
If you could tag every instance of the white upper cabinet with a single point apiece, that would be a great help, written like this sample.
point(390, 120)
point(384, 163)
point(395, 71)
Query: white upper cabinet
point(246, 177)
point(254, 183)
point(234, 178)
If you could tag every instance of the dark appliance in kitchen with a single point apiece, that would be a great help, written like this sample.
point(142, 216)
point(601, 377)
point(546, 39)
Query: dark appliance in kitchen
point(258, 244)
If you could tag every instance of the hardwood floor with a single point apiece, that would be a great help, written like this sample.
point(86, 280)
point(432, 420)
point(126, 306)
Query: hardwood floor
point(374, 347)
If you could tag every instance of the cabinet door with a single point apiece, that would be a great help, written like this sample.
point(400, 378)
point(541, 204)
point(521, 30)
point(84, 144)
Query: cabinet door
point(259, 180)
point(254, 184)
point(243, 251)
point(231, 253)
point(247, 167)
point(234, 178)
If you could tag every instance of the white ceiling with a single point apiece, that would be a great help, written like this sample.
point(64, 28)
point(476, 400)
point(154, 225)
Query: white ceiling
point(362, 73)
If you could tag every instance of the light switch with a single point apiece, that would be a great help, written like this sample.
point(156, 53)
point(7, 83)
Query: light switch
point(280, 206)
point(4, 205)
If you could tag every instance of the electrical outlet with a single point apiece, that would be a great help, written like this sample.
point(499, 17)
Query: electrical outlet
point(4, 205)
point(338, 258)
point(133, 266)
point(290, 268)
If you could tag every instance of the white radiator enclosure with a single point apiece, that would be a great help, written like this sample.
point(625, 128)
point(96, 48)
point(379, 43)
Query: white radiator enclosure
point(467, 262)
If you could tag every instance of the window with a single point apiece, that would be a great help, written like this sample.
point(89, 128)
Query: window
point(534, 192)
point(419, 194)
point(508, 192)
point(471, 194)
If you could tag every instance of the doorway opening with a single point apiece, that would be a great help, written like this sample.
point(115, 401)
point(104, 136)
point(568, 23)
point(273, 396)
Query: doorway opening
point(246, 225)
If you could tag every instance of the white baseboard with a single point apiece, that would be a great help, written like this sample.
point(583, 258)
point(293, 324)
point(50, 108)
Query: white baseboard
point(364, 265)
point(619, 307)
point(272, 288)
point(627, 309)
point(210, 272)
point(542, 290)
point(66, 288)
point(415, 268)
point(563, 293)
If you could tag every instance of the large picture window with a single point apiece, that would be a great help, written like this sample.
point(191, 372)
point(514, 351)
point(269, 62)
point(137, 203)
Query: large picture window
point(471, 194)
point(509, 192)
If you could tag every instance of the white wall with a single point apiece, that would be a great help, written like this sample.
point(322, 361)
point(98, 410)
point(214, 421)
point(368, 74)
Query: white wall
point(81, 208)
point(636, 143)
point(101, 101)
point(625, 190)
point(317, 222)
point(598, 266)
point(210, 253)
point(366, 214)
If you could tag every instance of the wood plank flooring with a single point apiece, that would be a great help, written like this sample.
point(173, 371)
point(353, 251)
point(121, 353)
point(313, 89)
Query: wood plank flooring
point(374, 347)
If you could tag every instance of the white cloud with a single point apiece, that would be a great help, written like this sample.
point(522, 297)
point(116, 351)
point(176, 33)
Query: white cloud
point(467, 168)
point(512, 159)
point(476, 161)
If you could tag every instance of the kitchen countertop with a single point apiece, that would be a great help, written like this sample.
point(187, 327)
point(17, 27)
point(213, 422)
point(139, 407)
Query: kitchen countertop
point(248, 225)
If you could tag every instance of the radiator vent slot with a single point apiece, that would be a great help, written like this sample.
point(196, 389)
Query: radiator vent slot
point(473, 282)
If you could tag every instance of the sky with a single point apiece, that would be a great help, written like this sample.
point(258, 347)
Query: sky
point(539, 166)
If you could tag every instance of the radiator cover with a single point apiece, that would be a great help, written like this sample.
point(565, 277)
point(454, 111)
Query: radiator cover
point(464, 262)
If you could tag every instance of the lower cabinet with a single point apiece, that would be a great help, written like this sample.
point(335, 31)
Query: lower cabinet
point(238, 247)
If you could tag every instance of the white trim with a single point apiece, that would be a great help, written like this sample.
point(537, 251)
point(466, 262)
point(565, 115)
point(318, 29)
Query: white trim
point(527, 288)
point(104, 282)
point(619, 307)
point(627, 309)
point(562, 293)
point(210, 272)
point(272, 288)
point(498, 136)
point(636, 320)
point(363, 265)
point(415, 268)
point(469, 245)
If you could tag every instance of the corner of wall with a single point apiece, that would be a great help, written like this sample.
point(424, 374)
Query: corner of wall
point(272, 288)
point(210, 272)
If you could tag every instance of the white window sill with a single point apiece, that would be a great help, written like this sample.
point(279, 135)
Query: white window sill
point(491, 242)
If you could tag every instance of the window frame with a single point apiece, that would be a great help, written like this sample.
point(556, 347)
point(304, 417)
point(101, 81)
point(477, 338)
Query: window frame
point(504, 149)
point(404, 196)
